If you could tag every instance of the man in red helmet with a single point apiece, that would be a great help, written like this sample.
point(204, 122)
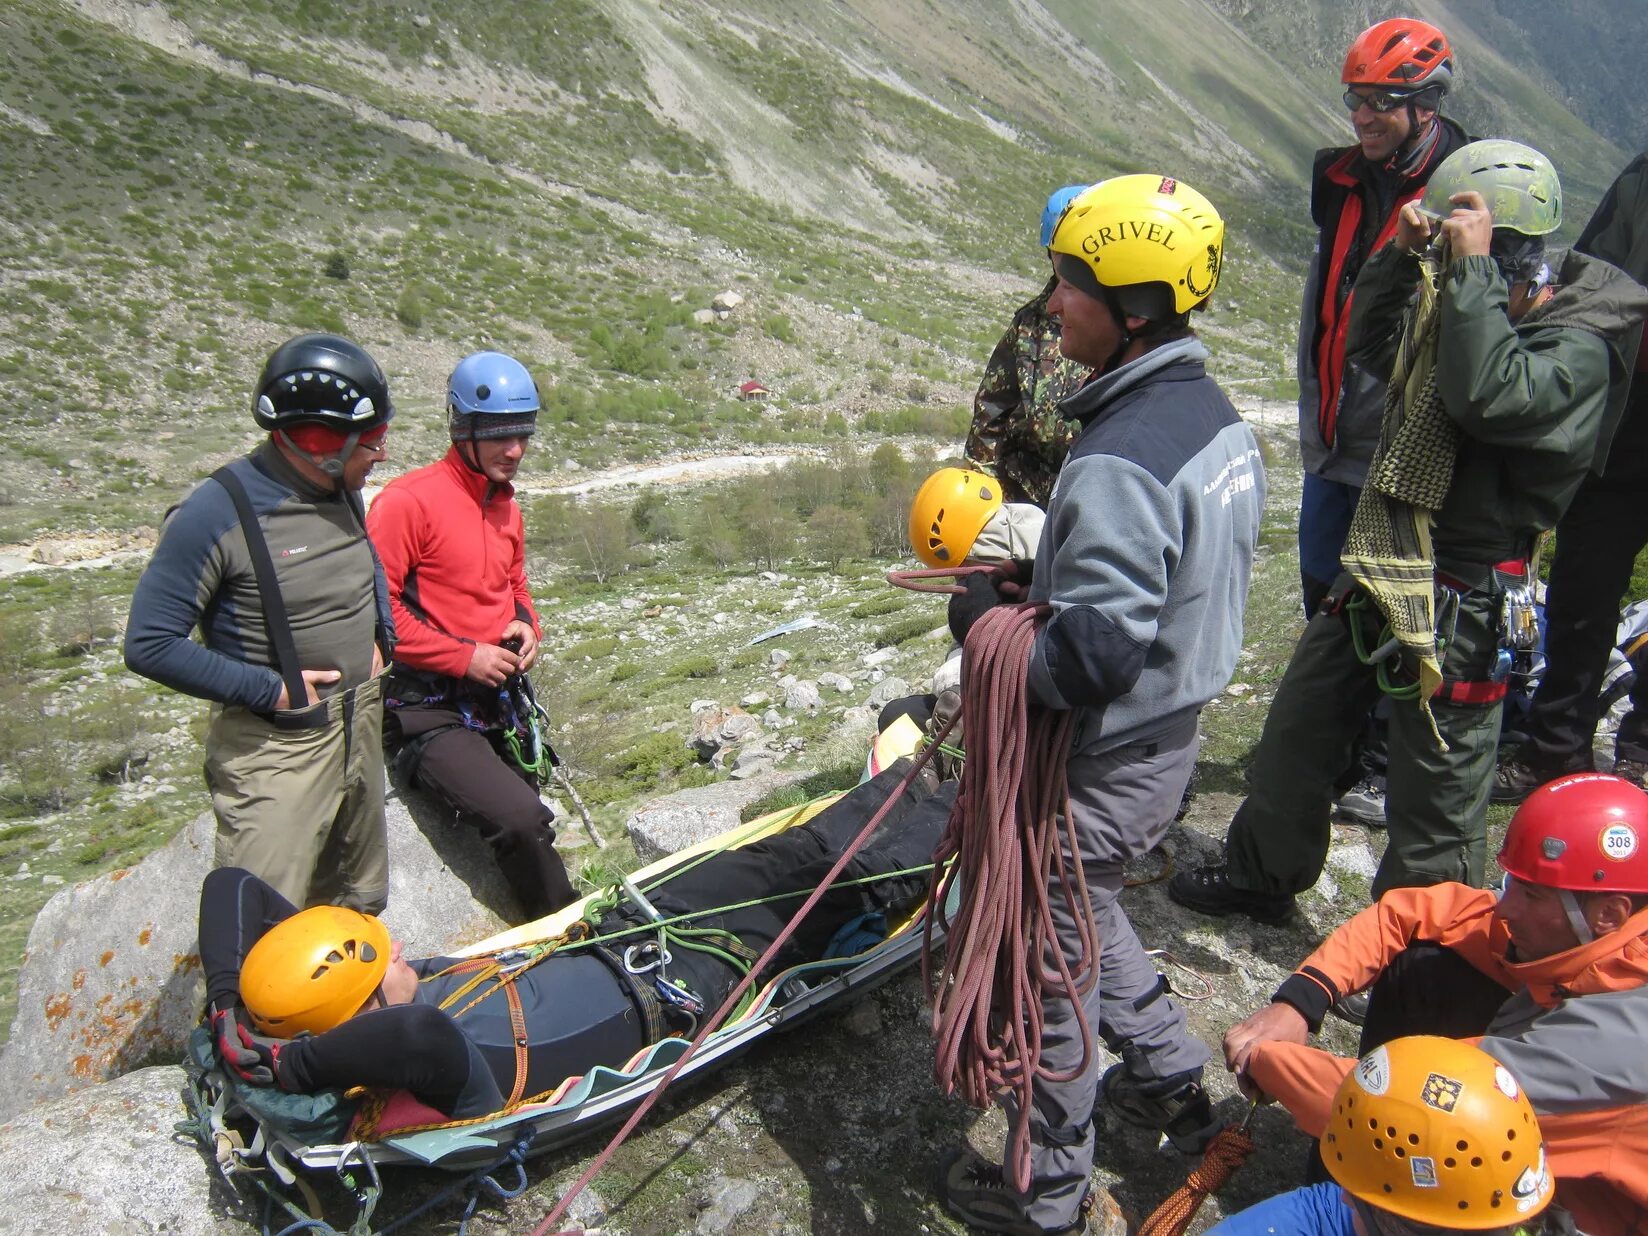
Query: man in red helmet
point(1396, 74)
point(1549, 975)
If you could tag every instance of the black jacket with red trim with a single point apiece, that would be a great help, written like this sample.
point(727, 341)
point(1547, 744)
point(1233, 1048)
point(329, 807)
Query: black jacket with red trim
point(1354, 205)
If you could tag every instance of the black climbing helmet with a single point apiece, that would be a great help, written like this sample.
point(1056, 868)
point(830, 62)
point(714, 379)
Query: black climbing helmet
point(322, 380)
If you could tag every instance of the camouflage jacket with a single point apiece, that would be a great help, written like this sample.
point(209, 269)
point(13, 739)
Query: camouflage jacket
point(1017, 434)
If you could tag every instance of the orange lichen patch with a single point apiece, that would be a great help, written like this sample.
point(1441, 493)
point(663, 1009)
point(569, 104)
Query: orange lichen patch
point(185, 961)
point(108, 956)
point(115, 876)
point(81, 1066)
point(145, 935)
point(57, 1008)
point(79, 980)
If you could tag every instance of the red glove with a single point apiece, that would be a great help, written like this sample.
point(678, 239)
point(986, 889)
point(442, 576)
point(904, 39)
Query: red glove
point(251, 1057)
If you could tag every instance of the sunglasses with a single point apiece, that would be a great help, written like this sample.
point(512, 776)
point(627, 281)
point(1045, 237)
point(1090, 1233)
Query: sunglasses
point(1381, 101)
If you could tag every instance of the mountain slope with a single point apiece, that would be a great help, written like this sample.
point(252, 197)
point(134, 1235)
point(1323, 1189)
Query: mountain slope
point(184, 185)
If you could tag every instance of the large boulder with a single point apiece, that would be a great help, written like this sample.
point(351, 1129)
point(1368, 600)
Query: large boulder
point(106, 1160)
point(676, 821)
point(111, 977)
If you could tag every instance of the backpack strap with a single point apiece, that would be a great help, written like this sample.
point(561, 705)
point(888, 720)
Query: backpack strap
point(274, 608)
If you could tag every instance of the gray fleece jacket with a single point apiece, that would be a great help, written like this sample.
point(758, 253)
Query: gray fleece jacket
point(1147, 549)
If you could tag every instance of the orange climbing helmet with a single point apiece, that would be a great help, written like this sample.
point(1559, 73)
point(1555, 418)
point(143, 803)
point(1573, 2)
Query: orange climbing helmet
point(314, 970)
point(1402, 53)
point(950, 510)
point(1438, 1132)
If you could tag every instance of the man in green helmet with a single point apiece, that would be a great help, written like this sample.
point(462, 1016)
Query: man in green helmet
point(1501, 426)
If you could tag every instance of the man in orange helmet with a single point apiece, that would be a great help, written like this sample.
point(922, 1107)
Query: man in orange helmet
point(1549, 976)
point(320, 998)
point(1392, 1149)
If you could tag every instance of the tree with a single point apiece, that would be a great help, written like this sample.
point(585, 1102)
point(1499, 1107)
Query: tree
point(599, 540)
point(766, 528)
point(835, 533)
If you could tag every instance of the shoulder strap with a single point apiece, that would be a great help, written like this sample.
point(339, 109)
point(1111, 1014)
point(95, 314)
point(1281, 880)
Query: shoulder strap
point(274, 608)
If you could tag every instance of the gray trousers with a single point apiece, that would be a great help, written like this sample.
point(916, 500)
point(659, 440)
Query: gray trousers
point(1122, 802)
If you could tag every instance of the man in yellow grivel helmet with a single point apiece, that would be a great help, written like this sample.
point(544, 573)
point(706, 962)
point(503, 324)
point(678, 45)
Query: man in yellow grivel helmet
point(1144, 560)
point(1425, 1136)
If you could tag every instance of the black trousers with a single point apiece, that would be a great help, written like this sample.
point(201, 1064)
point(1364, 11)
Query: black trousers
point(1597, 543)
point(465, 767)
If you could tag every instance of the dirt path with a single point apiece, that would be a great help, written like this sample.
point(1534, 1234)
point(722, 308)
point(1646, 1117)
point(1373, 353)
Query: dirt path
point(70, 551)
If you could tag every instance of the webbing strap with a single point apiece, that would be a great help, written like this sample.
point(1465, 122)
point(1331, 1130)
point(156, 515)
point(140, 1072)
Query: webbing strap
point(1472, 692)
point(274, 608)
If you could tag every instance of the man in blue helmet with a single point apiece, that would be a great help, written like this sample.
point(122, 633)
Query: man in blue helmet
point(459, 706)
point(269, 558)
point(1017, 435)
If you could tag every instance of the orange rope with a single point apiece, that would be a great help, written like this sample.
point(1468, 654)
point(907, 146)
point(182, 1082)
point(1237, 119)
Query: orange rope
point(1228, 1151)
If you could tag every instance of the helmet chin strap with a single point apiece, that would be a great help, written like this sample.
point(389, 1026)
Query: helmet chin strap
point(1576, 919)
point(331, 465)
point(1112, 302)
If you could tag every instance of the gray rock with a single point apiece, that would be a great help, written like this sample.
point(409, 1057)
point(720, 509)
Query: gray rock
point(887, 690)
point(728, 1201)
point(836, 682)
point(751, 759)
point(778, 658)
point(111, 977)
point(686, 817)
point(703, 316)
point(803, 697)
point(105, 1160)
point(727, 300)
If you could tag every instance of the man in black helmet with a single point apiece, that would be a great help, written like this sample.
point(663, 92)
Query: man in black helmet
point(269, 558)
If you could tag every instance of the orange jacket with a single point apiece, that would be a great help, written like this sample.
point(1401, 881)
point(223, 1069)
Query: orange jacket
point(1574, 1034)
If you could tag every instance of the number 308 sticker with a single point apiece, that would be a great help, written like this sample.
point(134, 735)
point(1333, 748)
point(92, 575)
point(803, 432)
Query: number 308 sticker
point(1619, 842)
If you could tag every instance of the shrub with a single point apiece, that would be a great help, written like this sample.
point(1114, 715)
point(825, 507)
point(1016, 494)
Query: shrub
point(903, 632)
point(409, 309)
point(624, 671)
point(600, 646)
point(336, 265)
point(698, 665)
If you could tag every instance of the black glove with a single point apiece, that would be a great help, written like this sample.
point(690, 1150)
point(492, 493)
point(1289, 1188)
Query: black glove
point(1014, 584)
point(250, 1057)
point(969, 606)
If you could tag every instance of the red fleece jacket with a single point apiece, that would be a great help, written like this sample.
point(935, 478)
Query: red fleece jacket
point(454, 552)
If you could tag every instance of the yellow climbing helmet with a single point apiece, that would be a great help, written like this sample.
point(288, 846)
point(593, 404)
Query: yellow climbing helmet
point(1153, 241)
point(1439, 1132)
point(314, 970)
point(950, 510)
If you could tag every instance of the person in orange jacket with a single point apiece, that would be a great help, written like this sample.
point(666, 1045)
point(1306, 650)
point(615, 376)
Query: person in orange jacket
point(1548, 975)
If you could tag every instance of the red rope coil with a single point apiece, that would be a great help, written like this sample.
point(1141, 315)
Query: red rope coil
point(1009, 836)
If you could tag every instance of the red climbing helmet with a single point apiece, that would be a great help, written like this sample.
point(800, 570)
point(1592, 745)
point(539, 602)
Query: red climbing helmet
point(1403, 54)
point(1587, 832)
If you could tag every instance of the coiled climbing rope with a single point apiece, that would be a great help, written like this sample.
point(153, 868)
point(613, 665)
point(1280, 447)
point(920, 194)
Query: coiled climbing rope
point(1016, 857)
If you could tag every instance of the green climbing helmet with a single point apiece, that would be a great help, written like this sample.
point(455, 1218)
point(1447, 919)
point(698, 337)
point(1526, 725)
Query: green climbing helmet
point(1516, 181)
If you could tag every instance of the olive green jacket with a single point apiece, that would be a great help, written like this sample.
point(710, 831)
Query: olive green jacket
point(1532, 399)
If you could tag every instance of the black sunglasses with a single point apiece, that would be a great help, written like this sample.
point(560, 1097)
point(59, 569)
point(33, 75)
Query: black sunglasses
point(1381, 101)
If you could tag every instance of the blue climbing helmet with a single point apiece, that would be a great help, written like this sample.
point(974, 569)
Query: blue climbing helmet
point(1056, 202)
point(491, 395)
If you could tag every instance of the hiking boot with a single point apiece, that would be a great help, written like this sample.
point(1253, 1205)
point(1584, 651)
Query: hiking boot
point(1514, 780)
point(1634, 771)
point(976, 1192)
point(1175, 1106)
point(1364, 802)
point(1352, 1008)
point(1208, 890)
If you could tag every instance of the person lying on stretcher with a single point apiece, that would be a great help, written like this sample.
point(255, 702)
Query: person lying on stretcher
point(323, 997)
